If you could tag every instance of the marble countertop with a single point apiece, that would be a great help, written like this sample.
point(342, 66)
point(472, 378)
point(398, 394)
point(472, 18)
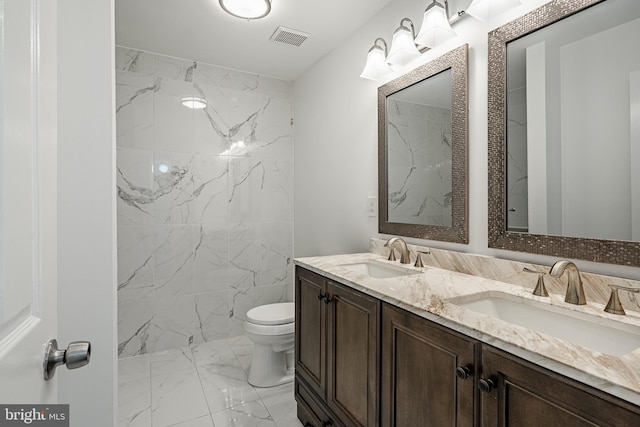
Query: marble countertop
point(427, 293)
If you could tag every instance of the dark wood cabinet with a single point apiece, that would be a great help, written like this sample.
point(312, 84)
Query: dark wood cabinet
point(337, 351)
point(311, 343)
point(311, 412)
point(428, 373)
point(361, 362)
point(519, 393)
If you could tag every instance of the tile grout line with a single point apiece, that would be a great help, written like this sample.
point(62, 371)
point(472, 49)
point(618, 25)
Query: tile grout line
point(193, 358)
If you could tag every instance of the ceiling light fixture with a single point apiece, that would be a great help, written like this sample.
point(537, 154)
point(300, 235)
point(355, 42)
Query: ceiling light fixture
point(403, 49)
point(485, 9)
point(194, 102)
point(376, 66)
point(436, 28)
point(247, 9)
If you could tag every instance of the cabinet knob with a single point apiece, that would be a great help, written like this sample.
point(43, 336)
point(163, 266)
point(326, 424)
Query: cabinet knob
point(463, 372)
point(324, 298)
point(486, 385)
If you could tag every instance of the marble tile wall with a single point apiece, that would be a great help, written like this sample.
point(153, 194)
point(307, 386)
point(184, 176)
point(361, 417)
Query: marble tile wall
point(204, 200)
point(419, 152)
point(517, 171)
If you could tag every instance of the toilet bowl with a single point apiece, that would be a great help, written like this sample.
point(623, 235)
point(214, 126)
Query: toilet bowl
point(271, 329)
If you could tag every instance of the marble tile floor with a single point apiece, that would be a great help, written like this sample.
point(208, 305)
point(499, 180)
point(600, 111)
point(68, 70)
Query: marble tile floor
point(204, 385)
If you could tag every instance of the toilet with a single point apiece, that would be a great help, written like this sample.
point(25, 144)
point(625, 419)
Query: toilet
point(271, 328)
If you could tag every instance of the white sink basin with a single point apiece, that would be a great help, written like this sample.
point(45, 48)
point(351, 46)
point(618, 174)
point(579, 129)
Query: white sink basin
point(379, 270)
point(596, 333)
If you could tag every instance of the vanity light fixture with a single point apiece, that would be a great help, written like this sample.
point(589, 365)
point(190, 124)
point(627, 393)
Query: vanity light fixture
point(435, 28)
point(247, 9)
point(376, 66)
point(194, 102)
point(485, 9)
point(403, 48)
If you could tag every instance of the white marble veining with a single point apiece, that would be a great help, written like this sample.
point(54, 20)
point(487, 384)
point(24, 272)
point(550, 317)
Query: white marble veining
point(412, 163)
point(517, 168)
point(204, 200)
point(427, 295)
point(202, 385)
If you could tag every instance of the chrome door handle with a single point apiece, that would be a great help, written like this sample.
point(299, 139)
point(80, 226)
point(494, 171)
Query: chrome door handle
point(75, 356)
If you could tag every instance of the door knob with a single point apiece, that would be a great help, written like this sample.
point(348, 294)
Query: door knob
point(75, 356)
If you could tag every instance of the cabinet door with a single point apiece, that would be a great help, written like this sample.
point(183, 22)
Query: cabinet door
point(310, 345)
point(352, 364)
point(419, 382)
point(527, 395)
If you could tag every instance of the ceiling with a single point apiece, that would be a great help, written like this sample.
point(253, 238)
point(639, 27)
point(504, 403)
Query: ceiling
point(200, 30)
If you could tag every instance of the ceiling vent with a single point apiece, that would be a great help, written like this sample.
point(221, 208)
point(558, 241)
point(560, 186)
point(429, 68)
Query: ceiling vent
point(288, 36)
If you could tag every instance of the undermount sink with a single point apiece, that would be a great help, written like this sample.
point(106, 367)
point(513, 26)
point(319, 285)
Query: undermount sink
point(596, 333)
point(378, 270)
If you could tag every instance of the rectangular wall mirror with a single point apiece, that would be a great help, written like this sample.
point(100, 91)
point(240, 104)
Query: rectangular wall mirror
point(422, 151)
point(564, 132)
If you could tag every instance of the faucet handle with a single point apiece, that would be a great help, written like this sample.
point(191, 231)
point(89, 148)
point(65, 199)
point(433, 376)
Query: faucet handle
point(419, 262)
point(540, 289)
point(614, 306)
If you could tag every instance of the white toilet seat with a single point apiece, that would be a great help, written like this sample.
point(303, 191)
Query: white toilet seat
point(287, 328)
point(272, 314)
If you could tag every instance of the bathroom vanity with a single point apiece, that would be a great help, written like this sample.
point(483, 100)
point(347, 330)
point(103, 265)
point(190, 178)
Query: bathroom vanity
point(391, 347)
point(337, 347)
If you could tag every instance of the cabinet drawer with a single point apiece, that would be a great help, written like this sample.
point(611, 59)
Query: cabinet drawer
point(307, 417)
point(312, 412)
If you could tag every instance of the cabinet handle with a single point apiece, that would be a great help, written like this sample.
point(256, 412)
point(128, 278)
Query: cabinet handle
point(486, 385)
point(463, 372)
point(324, 298)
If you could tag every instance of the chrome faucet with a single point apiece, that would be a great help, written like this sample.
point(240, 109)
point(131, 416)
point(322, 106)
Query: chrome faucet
point(575, 292)
point(404, 251)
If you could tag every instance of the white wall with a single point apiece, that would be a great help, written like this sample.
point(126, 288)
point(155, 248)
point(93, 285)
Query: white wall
point(634, 101)
point(336, 141)
point(86, 203)
point(596, 128)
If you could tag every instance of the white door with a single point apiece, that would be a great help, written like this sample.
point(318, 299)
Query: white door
point(28, 259)
point(57, 202)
